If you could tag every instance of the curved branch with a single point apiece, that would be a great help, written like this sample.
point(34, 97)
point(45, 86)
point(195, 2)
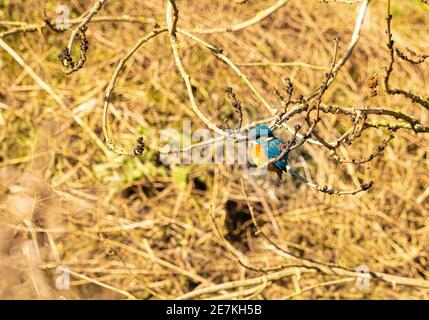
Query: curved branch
point(108, 140)
point(353, 42)
point(219, 54)
point(172, 16)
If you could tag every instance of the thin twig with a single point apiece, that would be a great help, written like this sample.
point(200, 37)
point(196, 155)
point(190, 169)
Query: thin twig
point(245, 24)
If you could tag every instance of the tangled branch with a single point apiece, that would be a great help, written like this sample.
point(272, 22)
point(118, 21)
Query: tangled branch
point(312, 108)
point(391, 46)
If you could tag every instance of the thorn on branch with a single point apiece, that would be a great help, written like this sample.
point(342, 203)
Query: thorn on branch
point(366, 186)
point(138, 150)
point(379, 150)
point(284, 101)
point(65, 56)
point(52, 25)
point(414, 59)
point(236, 104)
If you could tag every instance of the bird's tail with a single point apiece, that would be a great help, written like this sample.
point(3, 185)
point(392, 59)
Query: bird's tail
point(280, 174)
point(293, 172)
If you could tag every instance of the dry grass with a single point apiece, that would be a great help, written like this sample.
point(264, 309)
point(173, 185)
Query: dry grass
point(133, 227)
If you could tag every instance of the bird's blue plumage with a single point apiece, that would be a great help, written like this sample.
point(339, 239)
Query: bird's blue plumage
point(260, 131)
point(269, 145)
point(272, 149)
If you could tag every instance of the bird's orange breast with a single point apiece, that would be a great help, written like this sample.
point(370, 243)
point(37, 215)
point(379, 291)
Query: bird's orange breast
point(259, 156)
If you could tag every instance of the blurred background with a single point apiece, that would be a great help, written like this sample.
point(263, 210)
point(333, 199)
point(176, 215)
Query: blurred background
point(137, 228)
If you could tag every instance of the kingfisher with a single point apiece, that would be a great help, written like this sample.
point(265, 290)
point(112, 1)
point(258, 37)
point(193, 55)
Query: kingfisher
point(266, 146)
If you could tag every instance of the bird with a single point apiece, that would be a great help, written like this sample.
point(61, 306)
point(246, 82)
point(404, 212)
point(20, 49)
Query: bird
point(266, 146)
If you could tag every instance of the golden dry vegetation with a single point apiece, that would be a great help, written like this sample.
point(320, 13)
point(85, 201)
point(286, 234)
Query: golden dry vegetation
point(137, 228)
